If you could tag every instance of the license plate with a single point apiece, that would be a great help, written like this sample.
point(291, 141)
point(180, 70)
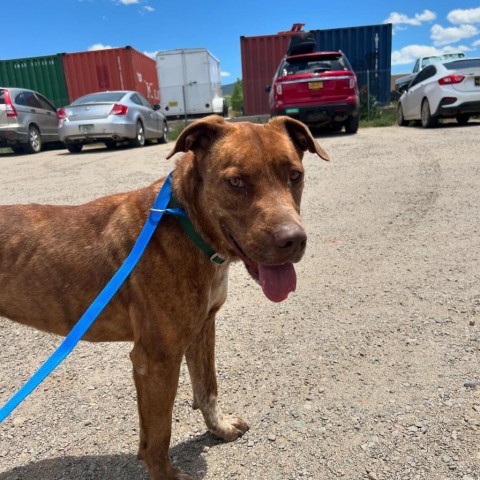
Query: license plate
point(477, 81)
point(86, 128)
point(315, 85)
point(292, 110)
point(173, 104)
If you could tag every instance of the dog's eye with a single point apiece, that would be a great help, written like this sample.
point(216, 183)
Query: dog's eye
point(235, 182)
point(295, 176)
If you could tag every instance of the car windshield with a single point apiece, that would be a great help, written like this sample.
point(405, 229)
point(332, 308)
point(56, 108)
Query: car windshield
point(104, 97)
point(459, 64)
point(293, 66)
point(442, 58)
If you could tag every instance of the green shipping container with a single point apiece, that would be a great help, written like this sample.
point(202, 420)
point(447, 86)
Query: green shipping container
point(43, 74)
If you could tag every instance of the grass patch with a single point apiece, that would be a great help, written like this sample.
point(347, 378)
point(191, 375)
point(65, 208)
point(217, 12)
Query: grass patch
point(382, 117)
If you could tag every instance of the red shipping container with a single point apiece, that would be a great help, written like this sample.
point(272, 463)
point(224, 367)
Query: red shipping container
point(260, 59)
point(111, 69)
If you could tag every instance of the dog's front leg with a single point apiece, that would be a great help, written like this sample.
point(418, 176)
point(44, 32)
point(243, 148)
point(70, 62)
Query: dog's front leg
point(200, 356)
point(156, 379)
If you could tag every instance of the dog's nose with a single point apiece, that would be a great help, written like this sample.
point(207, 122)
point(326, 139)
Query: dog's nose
point(291, 237)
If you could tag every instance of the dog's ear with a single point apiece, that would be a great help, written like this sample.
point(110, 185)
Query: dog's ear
point(199, 134)
point(301, 136)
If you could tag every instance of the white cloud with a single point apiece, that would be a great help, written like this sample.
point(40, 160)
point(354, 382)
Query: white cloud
point(225, 74)
point(476, 43)
point(443, 36)
point(410, 53)
point(401, 19)
point(99, 46)
point(461, 17)
point(128, 2)
point(148, 8)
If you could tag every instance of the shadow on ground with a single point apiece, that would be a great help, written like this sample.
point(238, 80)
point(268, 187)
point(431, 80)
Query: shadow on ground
point(186, 456)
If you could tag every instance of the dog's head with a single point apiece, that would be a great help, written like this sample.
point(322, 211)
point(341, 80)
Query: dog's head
point(241, 184)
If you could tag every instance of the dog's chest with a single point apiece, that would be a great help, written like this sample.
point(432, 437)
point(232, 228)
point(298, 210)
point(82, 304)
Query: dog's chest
point(219, 288)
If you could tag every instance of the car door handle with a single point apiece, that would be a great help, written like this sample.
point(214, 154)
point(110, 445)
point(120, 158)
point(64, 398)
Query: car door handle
point(33, 110)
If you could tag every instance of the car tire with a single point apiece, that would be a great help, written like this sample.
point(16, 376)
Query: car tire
point(139, 140)
point(34, 143)
point(351, 125)
point(428, 121)
point(401, 122)
point(17, 149)
point(74, 147)
point(164, 137)
point(462, 118)
point(110, 144)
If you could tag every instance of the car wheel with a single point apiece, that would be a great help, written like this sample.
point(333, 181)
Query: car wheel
point(351, 125)
point(139, 140)
point(74, 147)
point(164, 137)
point(462, 118)
point(34, 143)
point(400, 118)
point(428, 121)
point(110, 144)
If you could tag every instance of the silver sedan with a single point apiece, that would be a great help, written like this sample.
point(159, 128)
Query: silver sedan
point(111, 117)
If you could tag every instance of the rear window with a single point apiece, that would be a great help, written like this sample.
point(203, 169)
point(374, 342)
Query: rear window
point(104, 97)
point(293, 66)
point(467, 63)
point(2, 96)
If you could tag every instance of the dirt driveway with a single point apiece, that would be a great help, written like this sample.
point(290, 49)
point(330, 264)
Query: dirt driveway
point(369, 371)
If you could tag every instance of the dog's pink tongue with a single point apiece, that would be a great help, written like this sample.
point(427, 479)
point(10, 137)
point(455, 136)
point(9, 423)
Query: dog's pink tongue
point(277, 282)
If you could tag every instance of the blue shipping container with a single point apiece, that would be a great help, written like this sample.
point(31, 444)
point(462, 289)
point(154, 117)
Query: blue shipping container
point(369, 50)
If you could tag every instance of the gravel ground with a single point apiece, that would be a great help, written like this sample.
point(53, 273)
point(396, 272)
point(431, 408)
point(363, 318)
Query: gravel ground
point(369, 371)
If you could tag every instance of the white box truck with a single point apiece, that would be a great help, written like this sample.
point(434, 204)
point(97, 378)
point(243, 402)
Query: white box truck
point(190, 83)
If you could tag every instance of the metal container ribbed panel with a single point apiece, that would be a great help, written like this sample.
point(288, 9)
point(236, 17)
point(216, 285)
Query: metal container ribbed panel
point(367, 47)
point(111, 69)
point(44, 74)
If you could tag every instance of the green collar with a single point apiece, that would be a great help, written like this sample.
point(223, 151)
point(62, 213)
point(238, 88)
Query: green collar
point(192, 233)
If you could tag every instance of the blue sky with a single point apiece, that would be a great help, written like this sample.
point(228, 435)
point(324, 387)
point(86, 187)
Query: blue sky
point(43, 27)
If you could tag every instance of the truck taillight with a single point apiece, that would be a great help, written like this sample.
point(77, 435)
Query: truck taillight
point(278, 89)
point(119, 109)
point(10, 109)
point(351, 83)
point(451, 79)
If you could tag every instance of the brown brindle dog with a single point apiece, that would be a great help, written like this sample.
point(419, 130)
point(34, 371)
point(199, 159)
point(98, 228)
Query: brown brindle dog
point(241, 186)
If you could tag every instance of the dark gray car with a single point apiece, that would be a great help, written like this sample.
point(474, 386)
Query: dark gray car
point(27, 120)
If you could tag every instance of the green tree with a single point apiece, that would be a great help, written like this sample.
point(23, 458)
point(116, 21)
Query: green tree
point(237, 96)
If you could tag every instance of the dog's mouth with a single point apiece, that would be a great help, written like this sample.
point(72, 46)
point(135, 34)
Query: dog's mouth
point(277, 281)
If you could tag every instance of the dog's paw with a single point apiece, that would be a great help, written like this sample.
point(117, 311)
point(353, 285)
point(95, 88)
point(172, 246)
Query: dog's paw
point(230, 428)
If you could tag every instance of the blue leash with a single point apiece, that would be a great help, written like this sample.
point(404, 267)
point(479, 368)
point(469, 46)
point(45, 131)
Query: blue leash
point(87, 319)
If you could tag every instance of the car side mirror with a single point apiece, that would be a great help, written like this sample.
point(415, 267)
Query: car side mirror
point(157, 107)
point(268, 88)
